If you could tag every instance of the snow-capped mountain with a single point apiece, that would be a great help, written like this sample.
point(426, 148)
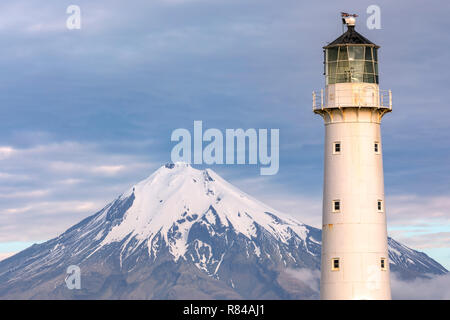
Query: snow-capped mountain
point(182, 233)
point(178, 197)
point(410, 263)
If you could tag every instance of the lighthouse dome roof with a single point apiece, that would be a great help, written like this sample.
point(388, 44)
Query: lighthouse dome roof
point(351, 37)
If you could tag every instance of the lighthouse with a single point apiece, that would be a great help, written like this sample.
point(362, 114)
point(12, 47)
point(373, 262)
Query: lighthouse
point(355, 261)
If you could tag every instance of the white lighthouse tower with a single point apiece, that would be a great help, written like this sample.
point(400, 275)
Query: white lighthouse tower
point(355, 261)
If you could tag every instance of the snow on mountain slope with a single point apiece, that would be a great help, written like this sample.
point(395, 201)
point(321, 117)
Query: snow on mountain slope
point(411, 261)
point(179, 195)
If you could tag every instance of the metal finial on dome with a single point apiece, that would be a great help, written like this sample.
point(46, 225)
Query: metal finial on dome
point(348, 19)
point(350, 36)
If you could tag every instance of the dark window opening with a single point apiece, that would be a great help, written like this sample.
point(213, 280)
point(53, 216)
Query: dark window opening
point(335, 264)
point(380, 205)
point(336, 205)
point(337, 147)
point(383, 264)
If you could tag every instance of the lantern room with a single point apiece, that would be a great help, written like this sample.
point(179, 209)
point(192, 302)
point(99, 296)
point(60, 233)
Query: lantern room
point(351, 58)
point(351, 63)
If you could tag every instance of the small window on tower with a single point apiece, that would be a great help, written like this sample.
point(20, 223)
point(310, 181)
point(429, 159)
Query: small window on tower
point(383, 264)
point(335, 264)
point(337, 147)
point(380, 205)
point(376, 147)
point(336, 206)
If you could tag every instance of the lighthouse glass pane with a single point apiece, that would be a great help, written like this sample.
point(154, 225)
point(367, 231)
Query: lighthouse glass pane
point(357, 77)
point(370, 78)
point(359, 53)
point(332, 54)
point(368, 67)
point(368, 53)
point(332, 68)
point(355, 53)
point(331, 72)
point(341, 78)
point(351, 53)
point(376, 67)
point(357, 66)
point(343, 67)
point(343, 53)
point(375, 54)
point(331, 80)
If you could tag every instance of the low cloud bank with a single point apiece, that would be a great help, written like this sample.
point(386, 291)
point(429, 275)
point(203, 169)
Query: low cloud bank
point(309, 277)
point(4, 255)
point(435, 288)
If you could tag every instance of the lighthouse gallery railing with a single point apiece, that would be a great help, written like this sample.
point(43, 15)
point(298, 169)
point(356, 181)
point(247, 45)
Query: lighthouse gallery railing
point(352, 98)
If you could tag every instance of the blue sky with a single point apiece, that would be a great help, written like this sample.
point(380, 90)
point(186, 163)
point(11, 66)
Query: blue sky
point(86, 113)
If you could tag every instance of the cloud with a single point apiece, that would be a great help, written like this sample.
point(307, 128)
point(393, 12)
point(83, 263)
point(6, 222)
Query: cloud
point(43, 220)
point(6, 152)
point(307, 276)
point(8, 177)
point(73, 167)
point(25, 194)
point(37, 18)
point(4, 255)
point(47, 187)
point(435, 288)
point(68, 158)
point(416, 209)
point(427, 240)
point(56, 207)
point(109, 170)
point(421, 222)
point(69, 181)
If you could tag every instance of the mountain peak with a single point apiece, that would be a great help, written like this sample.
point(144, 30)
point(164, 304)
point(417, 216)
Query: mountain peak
point(179, 164)
point(177, 196)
